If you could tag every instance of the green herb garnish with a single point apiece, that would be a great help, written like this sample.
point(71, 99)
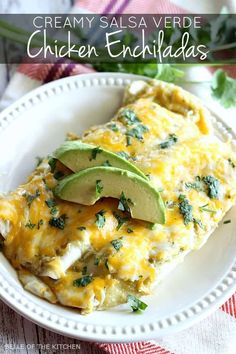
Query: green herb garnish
point(106, 163)
point(123, 154)
point(136, 304)
point(31, 197)
point(40, 223)
point(100, 219)
point(197, 184)
point(113, 127)
point(94, 153)
point(58, 222)
point(232, 164)
point(137, 132)
point(185, 209)
point(129, 230)
point(224, 88)
point(99, 187)
point(120, 220)
point(124, 203)
point(30, 225)
point(117, 244)
point(51, 203)
point(205, 208)
point(213, 186)
point(130, 117)
point(172, 139)
point(83, 281)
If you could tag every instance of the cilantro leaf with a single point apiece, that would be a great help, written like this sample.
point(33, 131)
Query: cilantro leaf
point(51, 203)
point(31, 197)
point(130, 117)
point(100, 219)
point(123, 154)
point(172, 139)
point(168, 73)
point(223, 88)
point(212, 184)
point(83, 281)
point(117, 244)
point(58, 222)
point(120, 220)
point(136, 304)
point(94, 153)
point(99, 188)
point(30, 225)
point(185, 209)
point(124, 203)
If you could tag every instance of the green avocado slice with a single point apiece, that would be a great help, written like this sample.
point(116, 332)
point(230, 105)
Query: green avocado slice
point(135, 193)
point(78, 156)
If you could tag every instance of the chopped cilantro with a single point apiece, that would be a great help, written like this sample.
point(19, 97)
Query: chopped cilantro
point(30, 225)
point(128, 141)
point(224, 88)
point(94, 153)
point(58, 175)
point(205, 208)
point(123, 154)
point(130, 117)
point(213, 186)
point(117, 244)
point(232, 164)
point(99, 188)
point(52, 163)
point(137, 132)
point(83, 281)
point(53, 210)
point(40, 223)
point(113, 127)
point(120, 220)
point(197, 184)
point(185, 209)
point(129, 230)
point(31, 197)
point(58, 222)
point(172, 139)
point(136, 304)
point(81, 228)
point(51, 203)
point(124, 203)
point(227, 222)
point(84, 270)
point(100, 219)
point(106, 264)
point(199, 223)
point(106, 163)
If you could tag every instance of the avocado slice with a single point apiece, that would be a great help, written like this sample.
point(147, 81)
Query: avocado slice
point(135, 193)
point(79, 156)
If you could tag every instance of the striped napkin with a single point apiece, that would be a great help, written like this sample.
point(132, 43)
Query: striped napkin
point(217, 333)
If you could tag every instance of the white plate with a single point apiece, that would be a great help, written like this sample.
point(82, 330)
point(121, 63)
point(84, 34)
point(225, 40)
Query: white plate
point(34, 126)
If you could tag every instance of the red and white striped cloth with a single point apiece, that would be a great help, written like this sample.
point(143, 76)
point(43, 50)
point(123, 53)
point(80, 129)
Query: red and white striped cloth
point(215, 334)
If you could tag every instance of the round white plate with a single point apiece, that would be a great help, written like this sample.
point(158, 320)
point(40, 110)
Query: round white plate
point(34, 126)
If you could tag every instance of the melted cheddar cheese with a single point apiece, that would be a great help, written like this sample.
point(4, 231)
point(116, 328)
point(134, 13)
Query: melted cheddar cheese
point(63, 255)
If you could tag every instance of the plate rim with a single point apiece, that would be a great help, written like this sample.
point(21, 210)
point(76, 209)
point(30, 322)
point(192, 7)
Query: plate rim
point(185, 318)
